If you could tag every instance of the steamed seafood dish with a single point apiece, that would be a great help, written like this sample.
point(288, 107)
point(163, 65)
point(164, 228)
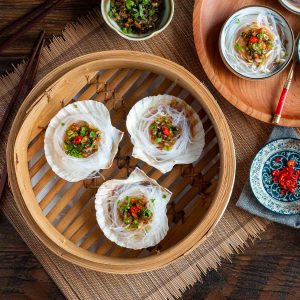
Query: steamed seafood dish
point(133, 212)
point(254, 44)
point(165, 131)
point(260, 48)
point(80, 141)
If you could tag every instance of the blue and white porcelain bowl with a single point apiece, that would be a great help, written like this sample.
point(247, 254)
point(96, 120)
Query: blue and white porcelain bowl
point(283, 44)
point(271, 157)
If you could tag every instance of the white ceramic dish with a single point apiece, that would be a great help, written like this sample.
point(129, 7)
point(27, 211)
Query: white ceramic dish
point(244, 17)
point(291, 5)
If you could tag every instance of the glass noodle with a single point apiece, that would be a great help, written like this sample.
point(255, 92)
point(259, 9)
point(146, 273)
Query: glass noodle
point(275, 57)
point(75, 168)
point(186, 146)
point(107, 202)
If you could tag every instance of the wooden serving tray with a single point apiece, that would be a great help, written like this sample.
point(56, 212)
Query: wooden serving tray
point(62, 214)
point(258, 99)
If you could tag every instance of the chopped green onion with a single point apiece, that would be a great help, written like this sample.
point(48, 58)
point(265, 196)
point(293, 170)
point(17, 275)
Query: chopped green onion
point(92, 134)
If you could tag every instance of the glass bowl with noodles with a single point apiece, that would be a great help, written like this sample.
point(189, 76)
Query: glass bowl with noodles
point(256, 42)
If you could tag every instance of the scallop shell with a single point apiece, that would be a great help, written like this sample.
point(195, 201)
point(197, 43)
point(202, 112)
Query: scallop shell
point(75, 169)
point(107, 210)
point(187, 148)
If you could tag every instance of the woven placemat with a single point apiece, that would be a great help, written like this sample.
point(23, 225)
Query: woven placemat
point(234, 230)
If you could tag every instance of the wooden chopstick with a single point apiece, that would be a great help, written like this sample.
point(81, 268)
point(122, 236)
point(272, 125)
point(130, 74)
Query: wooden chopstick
point(28, 75)
point(35, 63)
point(25, 18)
point(20, 85)
point(3, 179)
point(42, 13)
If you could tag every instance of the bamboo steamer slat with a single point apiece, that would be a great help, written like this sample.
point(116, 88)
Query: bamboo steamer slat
point(62, 214)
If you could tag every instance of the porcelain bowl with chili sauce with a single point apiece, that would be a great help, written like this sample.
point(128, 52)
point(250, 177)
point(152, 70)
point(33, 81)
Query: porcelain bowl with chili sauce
point(275, 176)
point(111, 13)
point(256, 42)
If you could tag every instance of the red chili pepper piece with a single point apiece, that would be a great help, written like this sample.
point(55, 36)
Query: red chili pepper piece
point(77, 140)
point(134, 210)
point(166, 131)
point(287, 177)
point(253, 39)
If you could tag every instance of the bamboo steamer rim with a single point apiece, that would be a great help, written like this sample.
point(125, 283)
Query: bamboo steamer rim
point(54, 240)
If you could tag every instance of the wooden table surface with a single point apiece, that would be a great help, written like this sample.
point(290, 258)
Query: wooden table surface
point(269, 269)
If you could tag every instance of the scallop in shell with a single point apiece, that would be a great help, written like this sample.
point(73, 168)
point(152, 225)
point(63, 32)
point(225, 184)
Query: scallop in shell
point(165, 131)
point(132, 212)
point(102, 145)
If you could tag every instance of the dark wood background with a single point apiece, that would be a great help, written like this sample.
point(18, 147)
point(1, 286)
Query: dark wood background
point(269, 269)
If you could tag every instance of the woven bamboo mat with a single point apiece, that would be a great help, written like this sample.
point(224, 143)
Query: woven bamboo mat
point(232, 233)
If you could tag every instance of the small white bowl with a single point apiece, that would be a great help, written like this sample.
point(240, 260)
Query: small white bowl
point(165, 20)
point(243, 17)
point(291, 5)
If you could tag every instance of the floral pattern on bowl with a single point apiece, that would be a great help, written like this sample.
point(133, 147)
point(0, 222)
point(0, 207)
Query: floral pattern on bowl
point(271, 157)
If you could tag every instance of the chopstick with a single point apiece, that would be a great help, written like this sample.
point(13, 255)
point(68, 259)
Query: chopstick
point(3, 179)
point(40, 12)
point(286, 87)
point(27, 16)
point(28, 76)
point(284, 94)
point(20, 86)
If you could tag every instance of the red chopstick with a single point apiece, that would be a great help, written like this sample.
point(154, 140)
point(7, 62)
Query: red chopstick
point(28, 76)
point(42, 12)
point(284, 94)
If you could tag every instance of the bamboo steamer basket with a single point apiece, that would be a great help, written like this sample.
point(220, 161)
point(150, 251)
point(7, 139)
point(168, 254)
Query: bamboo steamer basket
point(62, 214)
